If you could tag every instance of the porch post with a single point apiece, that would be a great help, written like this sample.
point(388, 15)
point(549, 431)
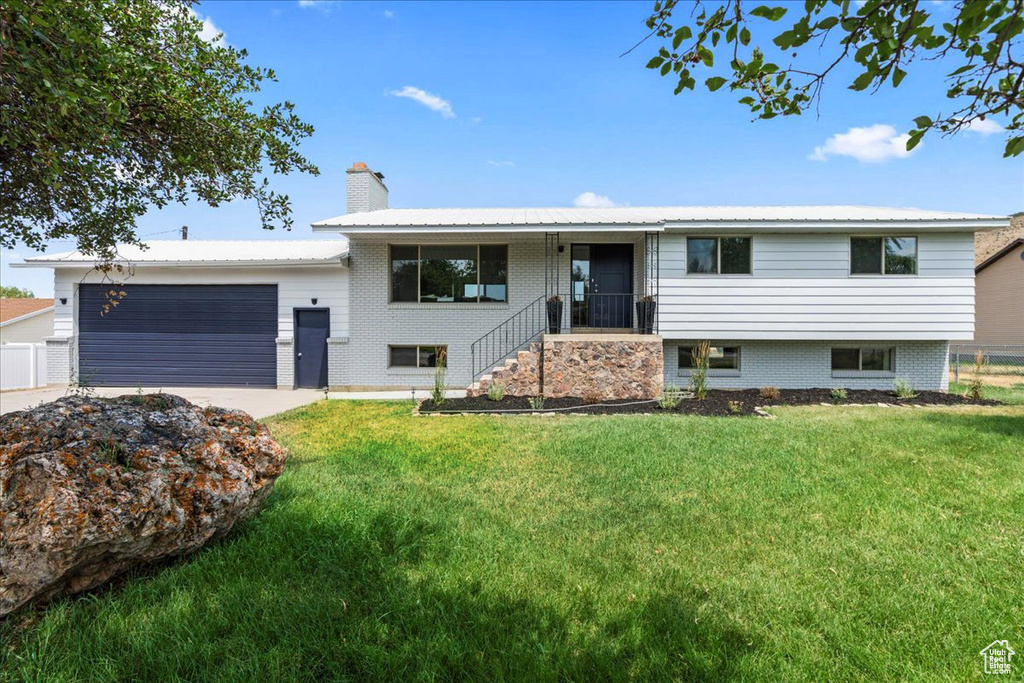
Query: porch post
point(652, 268)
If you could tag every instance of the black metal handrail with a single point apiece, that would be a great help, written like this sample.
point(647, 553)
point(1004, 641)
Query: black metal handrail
point(508, 337)
point(599, 311)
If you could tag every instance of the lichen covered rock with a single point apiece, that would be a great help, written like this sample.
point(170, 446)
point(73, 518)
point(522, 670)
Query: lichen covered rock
point(90, 487)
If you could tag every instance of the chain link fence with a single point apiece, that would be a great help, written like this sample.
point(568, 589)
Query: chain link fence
point(1001, 363)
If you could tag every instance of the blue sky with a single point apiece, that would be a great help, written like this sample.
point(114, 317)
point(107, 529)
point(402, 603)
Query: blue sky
point(534, 107)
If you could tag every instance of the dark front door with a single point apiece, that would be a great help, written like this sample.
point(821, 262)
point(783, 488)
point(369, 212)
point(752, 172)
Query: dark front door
point(312, 327)
point(178, 335)
point(611, 285)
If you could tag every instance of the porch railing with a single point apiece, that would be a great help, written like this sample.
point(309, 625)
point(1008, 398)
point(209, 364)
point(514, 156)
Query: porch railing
point(508, 337)
point(597, 312)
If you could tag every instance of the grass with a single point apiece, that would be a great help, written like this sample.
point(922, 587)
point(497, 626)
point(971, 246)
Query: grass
point(862, 544)
point(1011, 395)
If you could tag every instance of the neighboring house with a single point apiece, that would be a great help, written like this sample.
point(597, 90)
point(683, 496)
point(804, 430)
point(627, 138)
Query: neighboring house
point(25, 321)
point(789, 296)
point(999, 291)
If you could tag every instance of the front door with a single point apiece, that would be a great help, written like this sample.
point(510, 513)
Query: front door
point(611, 285)
point(312, 327)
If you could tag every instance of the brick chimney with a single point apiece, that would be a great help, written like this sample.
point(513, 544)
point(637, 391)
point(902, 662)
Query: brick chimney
point(366, 189)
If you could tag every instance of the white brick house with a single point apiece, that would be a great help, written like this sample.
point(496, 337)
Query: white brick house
point(793, 297)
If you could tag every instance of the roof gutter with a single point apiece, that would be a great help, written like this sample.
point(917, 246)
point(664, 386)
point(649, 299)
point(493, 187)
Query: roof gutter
point(337, 260)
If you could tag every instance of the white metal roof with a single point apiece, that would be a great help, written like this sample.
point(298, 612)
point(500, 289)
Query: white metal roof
point(645, 218)
point(211, 253)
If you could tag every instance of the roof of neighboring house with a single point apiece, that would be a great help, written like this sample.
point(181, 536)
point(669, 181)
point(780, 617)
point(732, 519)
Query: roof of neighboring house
point(998, 255)
point(654, 217)
point(988, 242)
point(14, 309)
point(211, 253)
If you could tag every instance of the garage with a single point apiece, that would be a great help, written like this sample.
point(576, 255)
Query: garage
point(178, 335)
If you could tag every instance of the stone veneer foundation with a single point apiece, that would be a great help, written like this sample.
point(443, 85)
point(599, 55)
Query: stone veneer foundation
point(612, 366)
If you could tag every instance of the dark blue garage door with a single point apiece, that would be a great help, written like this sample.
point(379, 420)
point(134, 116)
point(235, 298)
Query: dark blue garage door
point(178, 335)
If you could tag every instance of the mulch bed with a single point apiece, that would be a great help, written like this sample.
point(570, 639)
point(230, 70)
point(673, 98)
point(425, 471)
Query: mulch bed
point(718, 402)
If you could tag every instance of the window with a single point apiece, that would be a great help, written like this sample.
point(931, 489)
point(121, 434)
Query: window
point(720, 358)
point(449, 273)
point(877, 359)
point(883, 255)
point(415, 356)
point(718, 255)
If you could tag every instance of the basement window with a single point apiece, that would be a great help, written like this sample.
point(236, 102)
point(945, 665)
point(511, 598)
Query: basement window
point(863, 359)
point(415, 356)
point(720, 358)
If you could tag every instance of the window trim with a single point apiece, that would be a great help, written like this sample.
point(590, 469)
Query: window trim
point(891, 370)
point(417, 347)
point(718, 255)
point(419, 260)
point(849, 256)
point(712, 372)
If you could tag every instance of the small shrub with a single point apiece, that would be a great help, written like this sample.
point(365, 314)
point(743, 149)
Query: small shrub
point(838, 394)
point(701, 354)
point(592, 396)
point(735, 407)
point(536, 402)
point(670, 397)
point(903, 388)
point(437, 393)
point(771, 393)
point(975, 389)
point(496, 391)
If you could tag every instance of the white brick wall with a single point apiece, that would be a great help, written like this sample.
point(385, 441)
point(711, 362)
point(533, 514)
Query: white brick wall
point(808, 364)
point(59, 364)
point(364, 191)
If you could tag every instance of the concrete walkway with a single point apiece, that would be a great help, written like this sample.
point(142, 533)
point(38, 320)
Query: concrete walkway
point(259, 403)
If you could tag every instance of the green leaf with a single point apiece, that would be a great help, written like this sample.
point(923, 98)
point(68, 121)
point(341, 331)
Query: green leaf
point(1014, 146)
point(915, 139)
point(682, 33)
point(745, 36)
point(655, 62)
point(923, 122)
point(666, 67)
point(827, 23)
point(714, 83)
point(898, 75)
point(769, 13)
point(863, 81)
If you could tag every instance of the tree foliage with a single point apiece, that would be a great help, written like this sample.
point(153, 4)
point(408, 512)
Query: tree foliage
point(882, 37)
point(111, 107)
point(11, 292)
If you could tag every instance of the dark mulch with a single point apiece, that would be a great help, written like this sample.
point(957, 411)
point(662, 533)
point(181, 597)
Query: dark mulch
point(718, 402)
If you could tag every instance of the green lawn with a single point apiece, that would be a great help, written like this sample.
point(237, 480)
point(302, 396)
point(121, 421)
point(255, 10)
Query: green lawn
point(830, 544)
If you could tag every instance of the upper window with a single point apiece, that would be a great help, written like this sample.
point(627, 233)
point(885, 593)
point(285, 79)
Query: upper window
point(449, 273)
point(866, 358)
point(720, 358)
point(883, 255)
point(718, 255)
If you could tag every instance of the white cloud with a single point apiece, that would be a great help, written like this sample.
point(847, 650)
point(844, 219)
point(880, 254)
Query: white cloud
point(431, 101)
point(388, 14)
point(322, 5)
point(984, 127)
point(872, 144)
point(590, 200)
point(501, 163)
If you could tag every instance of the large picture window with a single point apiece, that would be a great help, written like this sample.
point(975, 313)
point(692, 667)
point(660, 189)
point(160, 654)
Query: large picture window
point(883, 255)
point(718, 255)
point(449, 273)
point(878, 359)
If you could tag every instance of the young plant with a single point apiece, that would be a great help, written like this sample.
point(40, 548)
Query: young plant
point(670, 397)
point(976, 387)
point(496, 391)
point(903, 388)
point(838, 394)
point(771, 393)
point(536, 402)
point(701, 354)
point(735, 407)
point(437, 393)
point(592, 397)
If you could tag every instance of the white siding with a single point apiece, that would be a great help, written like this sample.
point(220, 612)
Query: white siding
point(31, 330)
point(801, 289)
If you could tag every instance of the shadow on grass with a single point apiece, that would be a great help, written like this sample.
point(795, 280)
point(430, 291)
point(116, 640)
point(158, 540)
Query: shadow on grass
point(294, 598)
point(1003, 425)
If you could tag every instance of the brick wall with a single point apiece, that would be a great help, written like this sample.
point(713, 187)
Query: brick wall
point(59, 365)
point(808, 364)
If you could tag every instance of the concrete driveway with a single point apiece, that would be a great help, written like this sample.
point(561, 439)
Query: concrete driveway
point(259, 403)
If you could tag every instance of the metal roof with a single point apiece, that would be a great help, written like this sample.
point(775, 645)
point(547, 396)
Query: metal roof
point(640, 217)
point(210, 253)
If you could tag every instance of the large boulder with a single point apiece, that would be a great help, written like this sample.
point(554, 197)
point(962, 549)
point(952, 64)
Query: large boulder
point(92, 486)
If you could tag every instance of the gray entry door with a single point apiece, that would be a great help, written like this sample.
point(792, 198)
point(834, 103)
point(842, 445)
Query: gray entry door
point(178, 335)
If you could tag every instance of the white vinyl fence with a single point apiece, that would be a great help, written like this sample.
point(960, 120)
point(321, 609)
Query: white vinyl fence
point(22, 366)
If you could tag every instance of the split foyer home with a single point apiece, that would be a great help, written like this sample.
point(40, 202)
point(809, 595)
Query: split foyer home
point(560, 300)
